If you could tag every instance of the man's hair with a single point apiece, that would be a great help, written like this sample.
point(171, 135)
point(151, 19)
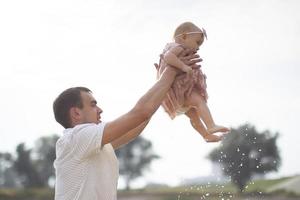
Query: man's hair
point(65, 101)
point(185, 28)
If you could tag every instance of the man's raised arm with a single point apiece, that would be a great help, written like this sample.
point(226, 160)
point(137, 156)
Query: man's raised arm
point(146, 105)
point(142, 111)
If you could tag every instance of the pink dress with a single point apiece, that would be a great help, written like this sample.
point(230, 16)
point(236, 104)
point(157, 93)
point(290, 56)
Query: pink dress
point(182, 87)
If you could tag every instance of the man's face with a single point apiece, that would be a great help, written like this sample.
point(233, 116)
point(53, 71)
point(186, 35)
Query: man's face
point(90, 113)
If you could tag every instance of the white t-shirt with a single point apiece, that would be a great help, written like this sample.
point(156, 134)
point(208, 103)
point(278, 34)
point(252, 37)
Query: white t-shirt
point(84, 169)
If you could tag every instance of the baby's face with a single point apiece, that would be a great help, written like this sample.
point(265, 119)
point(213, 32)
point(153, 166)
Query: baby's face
point(193, 40)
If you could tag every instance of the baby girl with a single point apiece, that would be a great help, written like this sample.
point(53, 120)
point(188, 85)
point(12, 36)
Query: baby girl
point(188, 94)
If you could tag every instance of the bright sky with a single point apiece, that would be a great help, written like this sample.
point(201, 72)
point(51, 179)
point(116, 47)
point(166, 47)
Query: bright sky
point(251, 59)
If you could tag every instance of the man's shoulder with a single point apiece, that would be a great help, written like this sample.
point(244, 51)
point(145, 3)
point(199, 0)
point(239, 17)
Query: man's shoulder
point(86, 127)
point(87, 130)
point(80, 135)
point(83, 126)
point(80, 130)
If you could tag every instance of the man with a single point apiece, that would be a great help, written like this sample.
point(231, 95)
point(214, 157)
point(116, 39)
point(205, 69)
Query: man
point(86, 165)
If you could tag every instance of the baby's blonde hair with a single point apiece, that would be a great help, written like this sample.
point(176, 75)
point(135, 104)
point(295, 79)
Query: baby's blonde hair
point(185, 28)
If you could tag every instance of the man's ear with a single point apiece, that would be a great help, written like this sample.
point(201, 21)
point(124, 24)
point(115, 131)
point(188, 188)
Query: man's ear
point(75, 114)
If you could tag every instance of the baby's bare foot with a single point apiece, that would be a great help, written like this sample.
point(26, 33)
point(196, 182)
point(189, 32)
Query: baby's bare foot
point(218, 128)
point(213, 138)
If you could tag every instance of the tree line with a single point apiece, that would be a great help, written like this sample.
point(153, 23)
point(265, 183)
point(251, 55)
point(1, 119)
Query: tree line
point(242, 154)
point(33, 167)
point(29, 167)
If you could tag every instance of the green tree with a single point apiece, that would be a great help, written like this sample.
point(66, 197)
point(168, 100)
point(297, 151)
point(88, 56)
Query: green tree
point(134, 158)
point(35, 166)
point(44, 151)
point(25, 167)
point(8, 175)
point(245, 152)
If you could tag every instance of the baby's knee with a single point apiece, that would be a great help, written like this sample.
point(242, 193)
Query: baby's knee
point(195, 100)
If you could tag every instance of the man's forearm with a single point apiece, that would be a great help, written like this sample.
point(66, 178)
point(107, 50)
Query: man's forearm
point(171, 59)
point(151, 101)
point(129, 136)
point(142, 111)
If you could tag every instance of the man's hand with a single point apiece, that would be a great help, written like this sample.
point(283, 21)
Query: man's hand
point(190, 58)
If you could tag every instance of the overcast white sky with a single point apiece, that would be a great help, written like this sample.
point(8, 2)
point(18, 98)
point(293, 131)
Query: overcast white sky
point(251, 59)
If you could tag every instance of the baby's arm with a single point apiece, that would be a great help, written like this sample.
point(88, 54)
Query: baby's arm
point(170, 57)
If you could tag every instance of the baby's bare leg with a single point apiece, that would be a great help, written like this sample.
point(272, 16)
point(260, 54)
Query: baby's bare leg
point(200, 128)
point(205, 114)
point(196, 122)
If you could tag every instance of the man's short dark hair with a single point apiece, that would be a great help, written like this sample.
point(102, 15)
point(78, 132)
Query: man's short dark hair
point(65, 101)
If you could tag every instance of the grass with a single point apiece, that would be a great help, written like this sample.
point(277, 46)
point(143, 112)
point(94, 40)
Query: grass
point(262, 185)
point(210, 191)
point(27, 194)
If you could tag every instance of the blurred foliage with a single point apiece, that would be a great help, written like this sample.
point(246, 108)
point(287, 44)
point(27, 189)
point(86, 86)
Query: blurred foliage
point(26, 169)
point(44, 151)
point(134, 158)
point(33, 167)
point(8, 176)
point(244, 153)
point(29, 168)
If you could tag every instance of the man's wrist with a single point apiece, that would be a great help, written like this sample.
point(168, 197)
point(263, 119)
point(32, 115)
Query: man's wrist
point(173, 70)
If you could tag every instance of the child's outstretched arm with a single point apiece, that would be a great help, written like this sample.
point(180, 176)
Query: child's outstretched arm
point(170, 57)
